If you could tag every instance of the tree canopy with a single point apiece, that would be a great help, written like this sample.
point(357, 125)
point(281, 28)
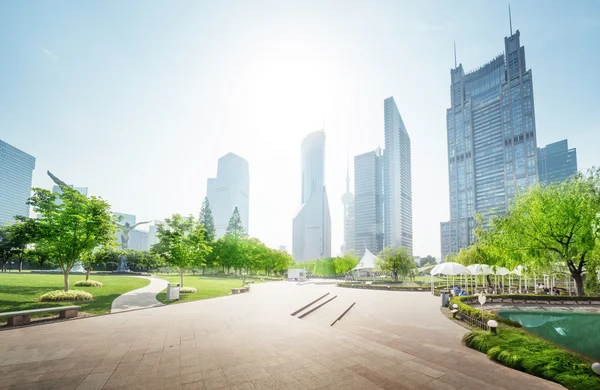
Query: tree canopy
point(550, 226)
point(182, 243)
point(345, 263)
point(395, 260)
point(236, 227)
point(207, 220)
point(70, 229)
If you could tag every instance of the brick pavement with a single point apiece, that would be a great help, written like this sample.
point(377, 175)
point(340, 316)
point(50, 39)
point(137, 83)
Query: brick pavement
point(389, 340)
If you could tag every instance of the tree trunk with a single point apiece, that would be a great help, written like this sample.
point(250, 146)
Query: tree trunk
point(87, 274)
point(20, 263)
point(203, 270)
point(489, 281)
point(578, 282)
point(396, 276)
point(181, 275)
point(66, 275)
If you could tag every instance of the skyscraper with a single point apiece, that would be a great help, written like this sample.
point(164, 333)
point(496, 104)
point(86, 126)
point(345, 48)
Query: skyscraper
point(491, 141)
point(397, 180)
point(556, 162)
point(348, 202)
point(230, 189)
point(311, 237)
point(368, 202)
point(16, 171)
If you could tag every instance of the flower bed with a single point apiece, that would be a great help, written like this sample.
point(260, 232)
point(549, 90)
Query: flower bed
point(66, 296)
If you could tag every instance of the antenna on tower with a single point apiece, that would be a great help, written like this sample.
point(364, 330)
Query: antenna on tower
point(510, 20)
point(455, 55)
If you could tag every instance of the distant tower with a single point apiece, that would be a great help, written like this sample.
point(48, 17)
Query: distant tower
point(348, 202)
point(311, 235)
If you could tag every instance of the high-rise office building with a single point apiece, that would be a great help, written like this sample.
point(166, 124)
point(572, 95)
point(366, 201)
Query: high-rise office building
point(491, 141)
point(368, 202)
point(556, 162)
point(311, 236)
point(230, 189)
point(16, 172)
point(152, 230)
point(397, 180)
point(138, 239)
point(348, 202)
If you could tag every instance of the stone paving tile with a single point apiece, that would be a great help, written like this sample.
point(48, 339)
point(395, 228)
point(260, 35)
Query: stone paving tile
point(251, 342)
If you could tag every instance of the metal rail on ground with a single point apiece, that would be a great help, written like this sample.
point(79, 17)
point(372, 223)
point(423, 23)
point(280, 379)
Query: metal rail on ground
point(316, 307)
point(310, 304)
point(343, 314)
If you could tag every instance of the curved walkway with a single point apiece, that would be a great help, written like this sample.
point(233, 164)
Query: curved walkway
point(141, 298)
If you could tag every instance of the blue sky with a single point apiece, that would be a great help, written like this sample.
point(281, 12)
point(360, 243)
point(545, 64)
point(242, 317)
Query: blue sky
point(138, 99)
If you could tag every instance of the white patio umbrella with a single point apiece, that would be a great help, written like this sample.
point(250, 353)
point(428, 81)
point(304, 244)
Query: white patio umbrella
point(480, 269)
point(501, 271)
point(449, 268)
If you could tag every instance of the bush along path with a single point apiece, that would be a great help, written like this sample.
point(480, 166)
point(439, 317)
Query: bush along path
point(141, 298)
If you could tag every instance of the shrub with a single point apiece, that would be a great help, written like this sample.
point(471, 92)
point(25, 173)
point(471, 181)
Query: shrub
point(187, 290)
point(524, 352)
point(66, 296)
point(88, 283)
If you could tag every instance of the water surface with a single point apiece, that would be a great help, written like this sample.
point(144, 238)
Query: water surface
point(576, 331)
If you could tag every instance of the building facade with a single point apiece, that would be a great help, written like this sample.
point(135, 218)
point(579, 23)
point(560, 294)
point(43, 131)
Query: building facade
point(57, 190)
point(556, 162)
point(230, 189)
point(368, 202)
point(491, 142)
point(16, 173)
point(397, 181)
point(311, 230)
point(348, 202)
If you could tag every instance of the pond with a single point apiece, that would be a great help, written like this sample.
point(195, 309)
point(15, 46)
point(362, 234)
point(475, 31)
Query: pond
point(576, 331)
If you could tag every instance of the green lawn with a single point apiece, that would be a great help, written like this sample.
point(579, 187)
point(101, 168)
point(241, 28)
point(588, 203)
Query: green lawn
point(21, 291)
point(207, 286)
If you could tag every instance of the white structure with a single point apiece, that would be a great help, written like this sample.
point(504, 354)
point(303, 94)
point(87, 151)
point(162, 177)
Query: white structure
point(16, 171)
point(230, 189)
point(152, 229)
point(348, 202)
point(312, 224)
point(366, 265)
point(397, 180)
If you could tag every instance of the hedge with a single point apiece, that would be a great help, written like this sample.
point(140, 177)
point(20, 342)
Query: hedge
point(88, 283)
point(390, 287)
point(522, 351)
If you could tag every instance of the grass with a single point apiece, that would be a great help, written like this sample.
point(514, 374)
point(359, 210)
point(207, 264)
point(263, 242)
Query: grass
point(524, 352)
point(207, 286)
point(22, 291)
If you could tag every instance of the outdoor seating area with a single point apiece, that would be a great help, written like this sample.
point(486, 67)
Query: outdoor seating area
point(485, 279)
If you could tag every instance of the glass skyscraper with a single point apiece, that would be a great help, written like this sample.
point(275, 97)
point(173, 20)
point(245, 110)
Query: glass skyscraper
point(16, 171)
point(368, 202)
point(397, 180)
point(556, 162)
point(491, 141)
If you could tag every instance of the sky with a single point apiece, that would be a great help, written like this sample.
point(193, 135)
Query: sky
point(137, 100)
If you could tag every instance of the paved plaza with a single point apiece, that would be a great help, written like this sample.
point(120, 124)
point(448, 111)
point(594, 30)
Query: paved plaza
point(389, 340)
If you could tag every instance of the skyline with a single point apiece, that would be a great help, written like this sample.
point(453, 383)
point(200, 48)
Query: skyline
point(97, 106)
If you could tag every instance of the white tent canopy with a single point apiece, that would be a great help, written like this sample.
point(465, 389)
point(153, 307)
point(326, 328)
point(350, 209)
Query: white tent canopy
point(480, 269)
point(367, 263)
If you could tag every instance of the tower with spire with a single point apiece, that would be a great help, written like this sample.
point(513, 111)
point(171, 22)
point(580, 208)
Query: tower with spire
point(348, 202)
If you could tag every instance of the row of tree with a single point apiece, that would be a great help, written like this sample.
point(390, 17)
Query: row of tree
point(548, 229)
point(70, 227)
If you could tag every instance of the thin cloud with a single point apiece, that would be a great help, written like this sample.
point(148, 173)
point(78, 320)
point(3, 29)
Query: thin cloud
point(49, 54)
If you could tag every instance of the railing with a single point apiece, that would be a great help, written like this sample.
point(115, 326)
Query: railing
point(473, 321)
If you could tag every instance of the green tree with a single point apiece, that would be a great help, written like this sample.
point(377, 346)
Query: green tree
point(235, 227)
point(345, 263)
point(182, 243)
point(207, 220)
point(20, 236)
point(6, 246)
point(554, 223)
point(395, 260)
point(70, 229)
point(428, 260)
